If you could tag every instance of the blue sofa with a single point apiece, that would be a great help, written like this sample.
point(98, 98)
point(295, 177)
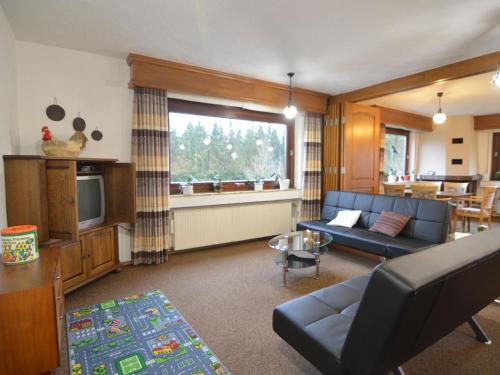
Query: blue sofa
point(428, 225)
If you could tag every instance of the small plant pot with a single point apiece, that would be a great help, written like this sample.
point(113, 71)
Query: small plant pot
point(285, 184)
point(258, 186)
point(218, 188)
point(187, 190)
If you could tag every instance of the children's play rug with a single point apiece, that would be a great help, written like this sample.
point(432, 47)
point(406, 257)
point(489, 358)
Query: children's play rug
point(140, 334)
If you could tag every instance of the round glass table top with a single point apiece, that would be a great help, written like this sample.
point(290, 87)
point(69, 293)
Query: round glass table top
point(305, 240)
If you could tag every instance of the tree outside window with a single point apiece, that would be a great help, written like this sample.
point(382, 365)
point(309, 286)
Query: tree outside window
point(396, 152)
point(231, 149)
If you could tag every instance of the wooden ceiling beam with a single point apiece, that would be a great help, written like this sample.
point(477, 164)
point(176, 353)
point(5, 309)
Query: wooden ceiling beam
point(487, 122)
point(465, 68)
point(182, 78)
point(405, 119)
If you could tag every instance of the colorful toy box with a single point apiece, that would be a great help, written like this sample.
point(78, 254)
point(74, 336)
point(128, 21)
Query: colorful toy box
point(19, 244)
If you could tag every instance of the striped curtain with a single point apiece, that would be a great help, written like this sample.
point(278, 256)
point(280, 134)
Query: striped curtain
point(311, 199)
point(151, 239)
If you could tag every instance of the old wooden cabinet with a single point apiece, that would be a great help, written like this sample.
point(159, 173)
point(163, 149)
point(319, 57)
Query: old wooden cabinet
point(93, 255)
point(43, 191)
point(31, 315)
point(351, 148)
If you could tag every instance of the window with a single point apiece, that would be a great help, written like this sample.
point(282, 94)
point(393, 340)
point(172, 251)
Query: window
point(209, 141)
point(396, 152)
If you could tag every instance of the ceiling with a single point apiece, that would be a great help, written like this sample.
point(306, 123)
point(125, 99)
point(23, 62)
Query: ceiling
point(465, 96)
point(333, 46)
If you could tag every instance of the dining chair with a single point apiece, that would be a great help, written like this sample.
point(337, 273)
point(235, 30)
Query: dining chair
point(457, 187)
point(397, 190)
point(430, 183)
point(424, 191)
point(482, 212)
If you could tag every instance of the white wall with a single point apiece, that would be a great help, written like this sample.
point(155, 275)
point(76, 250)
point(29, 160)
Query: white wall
point(437, 150)
point(94, 86)
point(8, 104)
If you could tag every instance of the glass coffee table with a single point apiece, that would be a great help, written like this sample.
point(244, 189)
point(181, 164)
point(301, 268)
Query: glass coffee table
point(300, 249)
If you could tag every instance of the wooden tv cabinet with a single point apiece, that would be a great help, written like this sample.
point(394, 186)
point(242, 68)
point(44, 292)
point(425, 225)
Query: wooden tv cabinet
point(42, 191)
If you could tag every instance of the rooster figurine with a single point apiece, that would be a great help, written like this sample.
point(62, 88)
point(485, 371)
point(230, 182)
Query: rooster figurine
point(51, 146)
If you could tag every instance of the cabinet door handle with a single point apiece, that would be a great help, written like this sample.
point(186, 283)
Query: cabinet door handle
point(59, 298)
point(58, 277)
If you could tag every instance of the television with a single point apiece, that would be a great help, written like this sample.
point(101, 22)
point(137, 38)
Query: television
point(91, 205)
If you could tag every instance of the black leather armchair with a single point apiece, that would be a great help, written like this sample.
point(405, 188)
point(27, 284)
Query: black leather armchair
point(374, 323)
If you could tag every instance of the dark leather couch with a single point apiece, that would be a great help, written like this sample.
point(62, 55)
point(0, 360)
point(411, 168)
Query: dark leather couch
point(428, 225)
point(374, 323)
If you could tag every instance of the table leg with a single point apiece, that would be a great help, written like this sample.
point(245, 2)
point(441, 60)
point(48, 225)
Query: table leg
point(284, 267)
point(316, 257)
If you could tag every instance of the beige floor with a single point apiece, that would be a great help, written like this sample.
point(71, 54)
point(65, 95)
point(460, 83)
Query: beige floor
point(228, 294)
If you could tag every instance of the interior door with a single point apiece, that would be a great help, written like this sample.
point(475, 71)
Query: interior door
point(100, 250)
point(119, 181)
point(495, 161)
point(62, 199)
point(361, 148)
point(73, 264)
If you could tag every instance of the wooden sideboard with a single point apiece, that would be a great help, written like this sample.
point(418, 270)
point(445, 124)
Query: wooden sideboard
point(31, 315)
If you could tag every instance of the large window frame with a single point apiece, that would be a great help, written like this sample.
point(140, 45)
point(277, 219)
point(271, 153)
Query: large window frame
point(406, 134)
point(236, 113)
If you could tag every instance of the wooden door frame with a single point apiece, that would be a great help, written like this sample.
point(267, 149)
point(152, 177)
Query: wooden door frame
point(494, 166)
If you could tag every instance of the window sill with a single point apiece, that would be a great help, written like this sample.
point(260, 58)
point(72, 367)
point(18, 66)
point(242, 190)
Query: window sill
point(232, 197)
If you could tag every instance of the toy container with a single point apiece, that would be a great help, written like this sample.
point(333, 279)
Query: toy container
point(19, 244)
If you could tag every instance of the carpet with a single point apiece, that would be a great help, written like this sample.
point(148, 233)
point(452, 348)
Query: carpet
point(140, 334)
point(228, 294)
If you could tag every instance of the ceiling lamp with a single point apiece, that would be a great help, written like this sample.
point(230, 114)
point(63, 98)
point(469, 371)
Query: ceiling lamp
point(290, 110)
point(439, 117)
point(496, 77)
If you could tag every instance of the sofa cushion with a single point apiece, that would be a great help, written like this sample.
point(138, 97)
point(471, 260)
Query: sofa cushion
point(346, 218)
point(362, 239)
point(317, 324)
point(390, 223)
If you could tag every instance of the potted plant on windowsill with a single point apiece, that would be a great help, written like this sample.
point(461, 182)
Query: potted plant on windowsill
point(218, 184)
point(187, 189)
point(497, 175)
point(284, 183)
point(258, 184)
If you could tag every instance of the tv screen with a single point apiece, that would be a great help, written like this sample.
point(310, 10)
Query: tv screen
point(90, 204)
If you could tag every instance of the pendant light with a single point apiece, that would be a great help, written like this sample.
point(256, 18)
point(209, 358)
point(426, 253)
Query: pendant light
point(439, 117)
point(290, 110)
point(496, 77)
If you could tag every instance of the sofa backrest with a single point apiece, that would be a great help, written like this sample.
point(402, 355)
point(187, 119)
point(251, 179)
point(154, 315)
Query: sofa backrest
point(413, 301)
point(429, 218)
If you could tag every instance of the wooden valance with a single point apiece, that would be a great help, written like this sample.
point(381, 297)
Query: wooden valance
point(405, 119)
point(182, 78)
point(487, 122)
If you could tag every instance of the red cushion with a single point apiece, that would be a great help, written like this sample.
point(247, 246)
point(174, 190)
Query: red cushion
point(390, 223)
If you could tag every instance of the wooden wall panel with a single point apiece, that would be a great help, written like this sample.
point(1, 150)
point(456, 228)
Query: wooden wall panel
point(487, 122)
point(405, 119)
point(156, 73)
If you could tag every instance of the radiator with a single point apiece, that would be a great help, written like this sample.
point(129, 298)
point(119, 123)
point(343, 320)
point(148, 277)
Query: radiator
point(206, 226)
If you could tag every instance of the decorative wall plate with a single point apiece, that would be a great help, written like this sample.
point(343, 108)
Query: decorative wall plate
point(96, 135)
point(55, 112)
point(79, 124)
